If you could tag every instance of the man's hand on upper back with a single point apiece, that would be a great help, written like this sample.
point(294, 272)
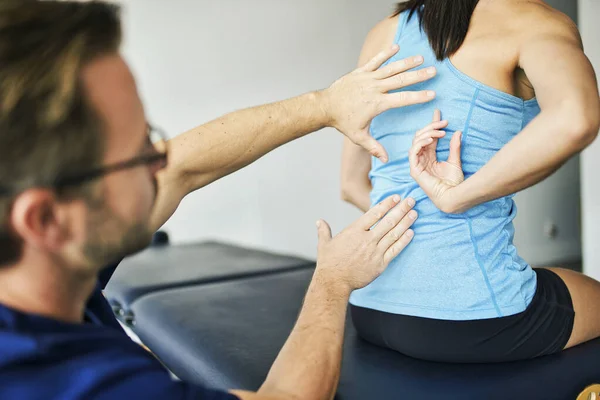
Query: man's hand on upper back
point(355, 99)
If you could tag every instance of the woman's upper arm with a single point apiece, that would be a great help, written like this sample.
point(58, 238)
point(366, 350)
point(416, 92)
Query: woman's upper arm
point(563, 78)
point(356, 164)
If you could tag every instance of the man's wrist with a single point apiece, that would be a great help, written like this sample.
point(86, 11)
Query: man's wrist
point(322, 101)
point(335, 287)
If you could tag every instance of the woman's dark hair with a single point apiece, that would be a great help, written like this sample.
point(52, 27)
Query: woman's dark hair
point(445, 22)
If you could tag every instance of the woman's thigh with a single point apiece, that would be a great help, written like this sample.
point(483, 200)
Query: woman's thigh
point(585, 293)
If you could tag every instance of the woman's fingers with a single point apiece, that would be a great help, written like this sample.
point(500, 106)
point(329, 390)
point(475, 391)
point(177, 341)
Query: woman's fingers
point(429, 134)
point(432, 127)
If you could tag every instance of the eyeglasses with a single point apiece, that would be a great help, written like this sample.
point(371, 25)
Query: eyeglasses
point(154, 155)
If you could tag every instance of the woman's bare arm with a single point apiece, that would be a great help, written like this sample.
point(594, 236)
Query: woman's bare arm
point(567, 91)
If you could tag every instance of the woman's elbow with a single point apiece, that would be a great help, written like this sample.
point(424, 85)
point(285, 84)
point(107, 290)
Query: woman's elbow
point(584, 124)
point(346, 194)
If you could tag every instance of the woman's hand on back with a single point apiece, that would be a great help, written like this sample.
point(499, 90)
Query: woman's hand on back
point(437, 179)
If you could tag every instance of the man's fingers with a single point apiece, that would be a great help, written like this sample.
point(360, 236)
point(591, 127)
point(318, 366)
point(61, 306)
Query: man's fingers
point(376, 213)
point(323, 231)
point(405, 79)
point(454, 156)
point(399, 67)
point(393, 218)
point(373, 147)
point(398, 246)
point(433, 126)
point(406, 98)
point(396, 233)
point(429, 134)
point(379, 59)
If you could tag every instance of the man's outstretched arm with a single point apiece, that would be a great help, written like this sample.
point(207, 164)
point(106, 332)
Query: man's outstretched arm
point(220, 147)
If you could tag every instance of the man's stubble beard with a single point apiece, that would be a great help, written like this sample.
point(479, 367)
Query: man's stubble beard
point(111, 238)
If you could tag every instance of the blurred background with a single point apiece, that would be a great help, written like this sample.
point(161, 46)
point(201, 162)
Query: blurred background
point(196, 60)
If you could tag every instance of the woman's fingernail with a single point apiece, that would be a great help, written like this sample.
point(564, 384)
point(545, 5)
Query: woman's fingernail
point(418, 59)
point(410, 233)
point(395, 47)
point(318, 224)
point(412, 215)
point(396, 198)
point(431, 70)
point(430, 93)
point(411, 201)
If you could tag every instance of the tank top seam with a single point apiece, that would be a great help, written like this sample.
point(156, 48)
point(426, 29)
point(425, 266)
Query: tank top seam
point(402, 20)
point(492, 91)
point(369, 304)
point(468, 220)
point(482, 268)
point(396, 303)
point(506, 253)
point(470, 114)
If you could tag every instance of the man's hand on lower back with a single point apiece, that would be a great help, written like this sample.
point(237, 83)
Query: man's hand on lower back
point(361, 252)
point(354, 100)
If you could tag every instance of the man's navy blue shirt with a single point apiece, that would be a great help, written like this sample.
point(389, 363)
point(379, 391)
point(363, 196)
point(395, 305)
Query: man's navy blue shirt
point(42, 358)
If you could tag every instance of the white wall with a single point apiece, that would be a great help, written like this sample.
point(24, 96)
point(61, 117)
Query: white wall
point(196, 60)
point(589, 11)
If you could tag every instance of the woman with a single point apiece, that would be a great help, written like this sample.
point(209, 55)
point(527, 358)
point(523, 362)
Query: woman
point(520, 98)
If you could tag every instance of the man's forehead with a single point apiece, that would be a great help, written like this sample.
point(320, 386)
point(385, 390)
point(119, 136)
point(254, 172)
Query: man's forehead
point(111, 89)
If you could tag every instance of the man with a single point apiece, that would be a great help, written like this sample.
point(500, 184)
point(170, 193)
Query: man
point(84, 181)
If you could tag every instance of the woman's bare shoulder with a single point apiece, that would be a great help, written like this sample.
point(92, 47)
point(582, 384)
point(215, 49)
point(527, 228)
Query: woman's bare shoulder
point(380, 37)
point(535, 17)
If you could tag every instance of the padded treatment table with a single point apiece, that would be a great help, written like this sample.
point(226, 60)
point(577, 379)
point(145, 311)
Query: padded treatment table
point(165, 267)
point(228, 334)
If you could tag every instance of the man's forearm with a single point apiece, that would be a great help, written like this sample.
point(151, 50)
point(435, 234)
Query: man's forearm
point(308, 366)
point(543, 147)
point(220, 147)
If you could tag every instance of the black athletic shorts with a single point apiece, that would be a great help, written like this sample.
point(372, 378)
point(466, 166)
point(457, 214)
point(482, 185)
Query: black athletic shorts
point(543, 328)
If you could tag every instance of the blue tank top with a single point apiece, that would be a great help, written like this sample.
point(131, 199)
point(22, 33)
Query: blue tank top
point(458, 266)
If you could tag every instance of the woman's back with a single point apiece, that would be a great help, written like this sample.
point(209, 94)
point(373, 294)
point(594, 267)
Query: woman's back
point(460, 266)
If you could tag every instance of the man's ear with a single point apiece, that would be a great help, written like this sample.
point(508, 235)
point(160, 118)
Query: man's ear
point(39, 220)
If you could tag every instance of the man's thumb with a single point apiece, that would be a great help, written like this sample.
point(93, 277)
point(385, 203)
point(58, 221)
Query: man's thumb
point(374, 148)
point(324, 231)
